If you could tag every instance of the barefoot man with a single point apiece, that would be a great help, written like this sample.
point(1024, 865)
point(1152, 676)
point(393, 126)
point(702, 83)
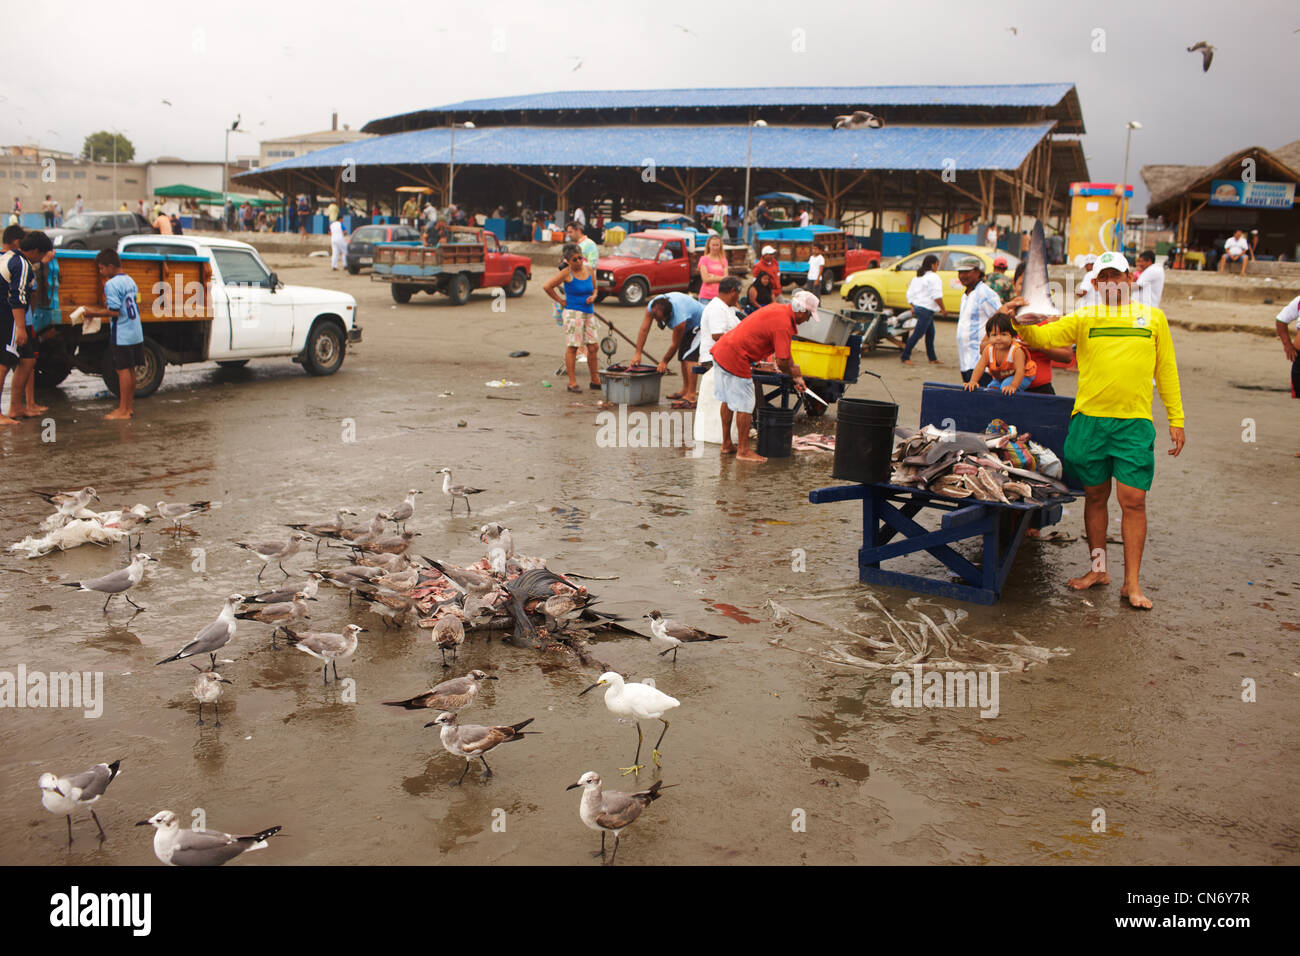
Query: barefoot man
point(767, 331)
point(1121, 347)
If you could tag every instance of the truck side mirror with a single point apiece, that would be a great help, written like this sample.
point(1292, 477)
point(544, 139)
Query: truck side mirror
point(274, 280)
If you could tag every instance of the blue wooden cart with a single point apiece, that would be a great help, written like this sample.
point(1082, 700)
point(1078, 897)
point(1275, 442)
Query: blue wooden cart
point(889, 511)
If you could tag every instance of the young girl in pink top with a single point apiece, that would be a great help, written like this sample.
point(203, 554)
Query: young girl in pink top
point(713, 268)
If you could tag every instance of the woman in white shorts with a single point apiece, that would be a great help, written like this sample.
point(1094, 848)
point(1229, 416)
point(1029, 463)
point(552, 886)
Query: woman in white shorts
point(579, 283)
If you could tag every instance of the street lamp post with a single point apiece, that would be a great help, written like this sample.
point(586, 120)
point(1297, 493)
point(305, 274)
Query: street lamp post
point(225, 169)
point(749, 153)
point(1123, 222)
point(451, 166)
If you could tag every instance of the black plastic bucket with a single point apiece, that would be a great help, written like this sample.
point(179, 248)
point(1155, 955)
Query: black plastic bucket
point(864, 439)
point(775, 432)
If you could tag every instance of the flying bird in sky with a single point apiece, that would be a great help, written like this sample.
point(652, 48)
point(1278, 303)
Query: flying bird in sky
point(685, 30)
point(1207, 54)
point(576, 66)
point(1014, 31)
point(858, 119)
point(167, 102)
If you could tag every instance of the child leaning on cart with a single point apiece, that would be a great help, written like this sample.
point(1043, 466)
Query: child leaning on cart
point(1005, 358)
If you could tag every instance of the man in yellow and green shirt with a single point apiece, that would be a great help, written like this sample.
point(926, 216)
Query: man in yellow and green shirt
point(1121, 346)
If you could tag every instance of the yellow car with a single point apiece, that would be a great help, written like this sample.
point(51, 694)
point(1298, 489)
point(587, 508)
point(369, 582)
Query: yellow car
point(872, 290)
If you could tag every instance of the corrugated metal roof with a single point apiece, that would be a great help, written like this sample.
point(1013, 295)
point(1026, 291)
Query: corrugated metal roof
point(774, 147)
point(859, 97)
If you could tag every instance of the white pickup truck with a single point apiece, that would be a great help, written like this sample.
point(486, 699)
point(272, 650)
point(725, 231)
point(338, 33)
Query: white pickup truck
point(201, 299)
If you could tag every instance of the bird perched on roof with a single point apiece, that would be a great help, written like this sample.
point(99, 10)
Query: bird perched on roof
point(185, 847)
point(455, 694)
point(117, 582)
point(1206, 51)
point(612, 811)
point(858, 119)
point(471, 740)
point(65, 794)
point(670, 635)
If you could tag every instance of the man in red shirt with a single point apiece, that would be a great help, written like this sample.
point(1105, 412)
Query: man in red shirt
point(767, 331)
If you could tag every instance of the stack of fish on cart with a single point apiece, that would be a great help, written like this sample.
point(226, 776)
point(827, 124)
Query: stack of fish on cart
point(1001, 464)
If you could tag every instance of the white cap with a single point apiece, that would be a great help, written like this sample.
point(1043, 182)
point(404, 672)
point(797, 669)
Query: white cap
point(1108, 260)
point(718, 198)
point(768, 251)
point(803, 301)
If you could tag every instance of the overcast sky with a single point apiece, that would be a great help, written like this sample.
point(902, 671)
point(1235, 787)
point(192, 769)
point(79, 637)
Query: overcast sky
point(285, 66)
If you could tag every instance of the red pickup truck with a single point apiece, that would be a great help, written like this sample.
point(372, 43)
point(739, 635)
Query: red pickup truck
point(470, 259)
point(657, 260)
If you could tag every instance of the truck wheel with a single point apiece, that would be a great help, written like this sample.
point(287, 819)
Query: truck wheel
point(147, 376)
point(325, 348)
point(75, 245)
point(354, 270)
point(401, 293)
point(458, 289)
point(51, 376)
point(634, 293)
point(518, 283)
point(867, 300)
point(828, 284)
point(234, 363)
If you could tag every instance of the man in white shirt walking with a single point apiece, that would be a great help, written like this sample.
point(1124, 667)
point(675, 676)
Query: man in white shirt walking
point(338, 244)
point(1150, 284)
point(816, 264)
point(1235, 250)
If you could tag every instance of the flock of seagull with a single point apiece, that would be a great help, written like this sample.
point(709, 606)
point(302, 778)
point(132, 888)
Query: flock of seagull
point(502, 591)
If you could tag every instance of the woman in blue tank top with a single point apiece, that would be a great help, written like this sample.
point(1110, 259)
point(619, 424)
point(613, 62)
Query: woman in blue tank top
point(579, 283)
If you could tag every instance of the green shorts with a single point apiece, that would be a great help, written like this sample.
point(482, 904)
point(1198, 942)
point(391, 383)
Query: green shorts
point(1098, 449)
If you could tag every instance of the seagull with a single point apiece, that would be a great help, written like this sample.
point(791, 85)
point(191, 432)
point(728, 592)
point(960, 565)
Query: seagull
point(400, 581)
point(403, 512)
point(388, 604)
point(167, 102)
point(396, 544)
point(1013, 30)
point(497, 536)
point(322, 530)
point(670, 635)
point(858, 119)
point(612, 812)
point(178, 512)
point(117, 582)
point(471, 740)
point(69, 503)
point(466, 580)
point(286, 593)
point(577, 66)
point(1207, 54)
point(129, 521)
point(279, 615)
point(326, 647)
point(456, 491)
point(455, 694)
point(640, 702)
point(207, 690)
point(213, 637)
point(563, 607)
point(177, 847)
point(65, 794)
point(448, 628)
point(685, 30)
point(275, 551)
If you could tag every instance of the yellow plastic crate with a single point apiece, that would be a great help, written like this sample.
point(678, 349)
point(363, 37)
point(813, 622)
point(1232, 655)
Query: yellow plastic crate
point(820, 361)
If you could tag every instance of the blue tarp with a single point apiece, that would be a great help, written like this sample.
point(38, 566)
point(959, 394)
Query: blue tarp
point(893, 148)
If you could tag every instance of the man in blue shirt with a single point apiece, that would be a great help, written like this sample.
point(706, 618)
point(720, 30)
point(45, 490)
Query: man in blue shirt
point(126, 335)
point(681, 313)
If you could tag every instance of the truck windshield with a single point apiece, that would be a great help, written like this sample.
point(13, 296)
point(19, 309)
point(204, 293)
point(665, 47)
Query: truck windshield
point(635, 248)
point(240, 268)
